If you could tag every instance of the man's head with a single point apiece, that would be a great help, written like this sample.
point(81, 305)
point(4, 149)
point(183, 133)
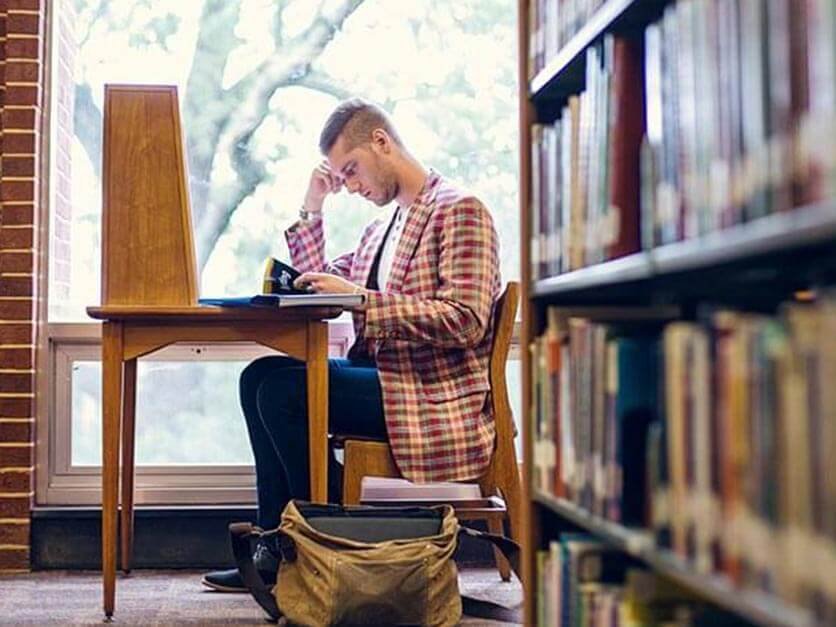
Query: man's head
point(363, 149)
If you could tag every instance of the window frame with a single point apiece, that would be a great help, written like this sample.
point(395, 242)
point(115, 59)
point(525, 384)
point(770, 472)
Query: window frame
point(61, 483)
point(58, 483)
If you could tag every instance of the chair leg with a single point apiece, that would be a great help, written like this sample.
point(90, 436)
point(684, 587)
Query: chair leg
point(502, 565)
point(352, 483)
point(509, 485)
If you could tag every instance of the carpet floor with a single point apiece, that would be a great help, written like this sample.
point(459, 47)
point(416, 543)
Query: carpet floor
point(176, 597)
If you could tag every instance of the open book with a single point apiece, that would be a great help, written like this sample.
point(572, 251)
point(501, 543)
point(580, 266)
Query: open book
point(278, 291)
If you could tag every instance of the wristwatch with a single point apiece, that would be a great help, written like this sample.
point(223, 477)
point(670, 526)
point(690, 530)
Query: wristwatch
point(305, 215)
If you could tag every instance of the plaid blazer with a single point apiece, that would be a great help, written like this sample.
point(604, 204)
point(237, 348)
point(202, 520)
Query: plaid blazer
point(430, 330)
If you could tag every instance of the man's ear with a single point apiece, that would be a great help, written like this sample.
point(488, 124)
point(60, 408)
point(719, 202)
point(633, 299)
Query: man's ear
point(381, 140)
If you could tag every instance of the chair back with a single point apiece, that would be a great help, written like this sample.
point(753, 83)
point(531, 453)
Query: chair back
point(505, 312)
point(148, 253)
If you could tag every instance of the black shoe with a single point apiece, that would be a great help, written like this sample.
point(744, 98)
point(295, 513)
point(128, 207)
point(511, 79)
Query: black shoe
point(230, 580)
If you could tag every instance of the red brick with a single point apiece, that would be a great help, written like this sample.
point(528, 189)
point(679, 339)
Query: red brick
point(19, 118)
point(15, 333)
point(16, 286)
point(15, 407)
point(14, 559)
point(14, 533)
point(15, 358)
point(23, 23)
point(22, 72)
point(17, 383)
point(22, 95)
point(23, 48)
point(29, 5)
point(19, 143)
point(16, 431)
point(15, 238)
point(15, 506)
point(14, 215)
point(15, 262)
point(16, 481)
point(18, 456)
point(17, 190)
point(16, 310)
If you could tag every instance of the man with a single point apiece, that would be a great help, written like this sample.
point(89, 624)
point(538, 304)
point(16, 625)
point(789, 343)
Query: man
point(417, 373)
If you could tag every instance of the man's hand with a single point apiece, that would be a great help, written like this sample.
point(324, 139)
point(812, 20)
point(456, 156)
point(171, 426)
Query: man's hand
point(331, 283)
point(323, 182)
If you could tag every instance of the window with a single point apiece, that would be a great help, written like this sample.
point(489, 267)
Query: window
point(256, 80)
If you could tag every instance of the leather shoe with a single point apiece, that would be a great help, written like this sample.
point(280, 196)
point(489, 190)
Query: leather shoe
point(231, 581)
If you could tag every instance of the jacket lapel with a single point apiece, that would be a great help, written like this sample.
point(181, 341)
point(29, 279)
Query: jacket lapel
point(416, 220)
point(368, 253)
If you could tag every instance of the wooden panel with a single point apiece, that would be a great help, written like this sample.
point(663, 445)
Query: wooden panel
point(288, 338)
point(214, 314)
point(148, 253)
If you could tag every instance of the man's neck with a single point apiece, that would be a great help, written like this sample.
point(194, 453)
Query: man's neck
point(412, 179)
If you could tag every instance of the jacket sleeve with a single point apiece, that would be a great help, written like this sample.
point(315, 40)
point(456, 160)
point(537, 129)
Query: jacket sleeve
point(468, 271)
point(306, 242)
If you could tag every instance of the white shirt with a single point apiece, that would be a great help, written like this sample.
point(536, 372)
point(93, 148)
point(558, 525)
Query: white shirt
point(384, 267)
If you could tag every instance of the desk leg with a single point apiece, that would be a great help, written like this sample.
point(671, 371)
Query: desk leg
point(317, 379)
point(112, 351)
point(128, 448)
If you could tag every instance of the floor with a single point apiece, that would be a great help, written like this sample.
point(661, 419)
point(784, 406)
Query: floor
point(155, 597)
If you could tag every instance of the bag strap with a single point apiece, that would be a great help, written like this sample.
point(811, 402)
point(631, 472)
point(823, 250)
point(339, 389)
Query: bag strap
point(489, 610)
point(509, 548)
point(239, 535)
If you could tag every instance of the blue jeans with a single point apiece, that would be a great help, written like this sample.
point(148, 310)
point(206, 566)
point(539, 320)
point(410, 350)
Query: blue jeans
point(274, 400)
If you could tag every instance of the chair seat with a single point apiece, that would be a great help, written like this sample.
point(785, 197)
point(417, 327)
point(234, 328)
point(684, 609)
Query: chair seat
point(338, 440)
point(466, 509)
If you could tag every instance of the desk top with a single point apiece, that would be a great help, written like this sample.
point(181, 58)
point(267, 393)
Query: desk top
point(210, 313)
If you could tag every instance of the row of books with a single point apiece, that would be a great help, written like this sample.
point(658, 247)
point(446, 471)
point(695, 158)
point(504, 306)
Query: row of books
point(552, 23)
point(722, 112)
point(741, 113)
point(582, 582)
point(717, 434)
point(586, 183)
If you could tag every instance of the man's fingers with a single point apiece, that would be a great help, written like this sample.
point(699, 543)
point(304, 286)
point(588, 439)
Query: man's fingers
point(312, 279)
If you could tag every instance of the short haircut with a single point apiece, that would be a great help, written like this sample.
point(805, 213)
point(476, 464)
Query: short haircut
point(355, 119)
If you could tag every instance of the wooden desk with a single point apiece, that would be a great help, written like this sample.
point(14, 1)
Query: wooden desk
point(130, 332)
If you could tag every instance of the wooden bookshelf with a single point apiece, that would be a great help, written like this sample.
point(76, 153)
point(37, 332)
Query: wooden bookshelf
point(760, 608)
point(764, 258)
point(773, 240)
point(563, 75)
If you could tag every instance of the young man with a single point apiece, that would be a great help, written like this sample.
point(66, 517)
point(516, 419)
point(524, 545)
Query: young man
point(417, 373)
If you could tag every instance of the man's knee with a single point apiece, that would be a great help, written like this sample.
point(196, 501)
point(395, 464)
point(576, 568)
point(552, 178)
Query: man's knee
point(256, 371)
point(282, 391)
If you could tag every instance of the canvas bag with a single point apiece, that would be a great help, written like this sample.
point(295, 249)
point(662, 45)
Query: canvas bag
point(361, 565)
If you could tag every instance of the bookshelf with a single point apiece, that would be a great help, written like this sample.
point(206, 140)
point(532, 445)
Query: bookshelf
point(738, 241)
point(760, 608)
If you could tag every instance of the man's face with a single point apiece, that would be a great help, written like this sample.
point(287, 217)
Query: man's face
point(365, 170)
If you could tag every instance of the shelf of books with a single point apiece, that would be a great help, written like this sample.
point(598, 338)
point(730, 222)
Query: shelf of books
point(678, 204)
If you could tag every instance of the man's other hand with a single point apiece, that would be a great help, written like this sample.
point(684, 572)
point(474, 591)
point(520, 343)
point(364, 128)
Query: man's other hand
point(330, 283)
point(323, 182)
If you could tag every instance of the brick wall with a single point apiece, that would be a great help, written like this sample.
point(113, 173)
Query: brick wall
point(21, 96)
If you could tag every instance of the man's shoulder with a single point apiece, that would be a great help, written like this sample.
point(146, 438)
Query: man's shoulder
point(451, 195)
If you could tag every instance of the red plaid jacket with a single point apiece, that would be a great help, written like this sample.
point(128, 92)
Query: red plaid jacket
point(430, 330)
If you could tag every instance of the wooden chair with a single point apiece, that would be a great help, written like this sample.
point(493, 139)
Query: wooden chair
point(366, 458)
